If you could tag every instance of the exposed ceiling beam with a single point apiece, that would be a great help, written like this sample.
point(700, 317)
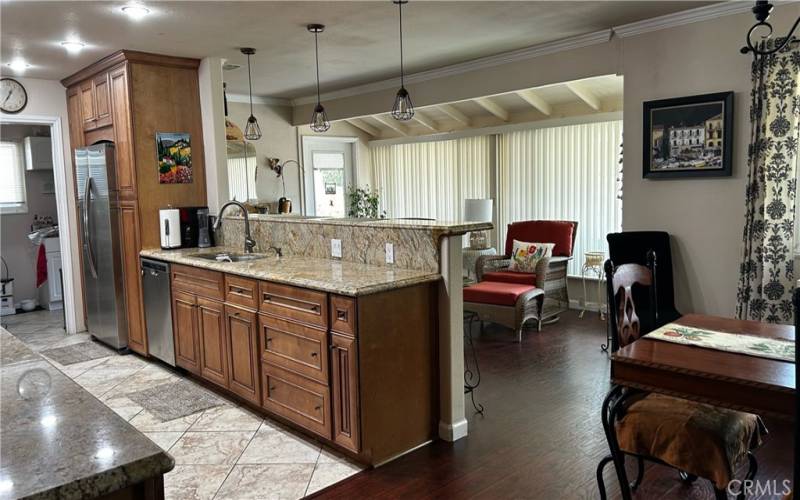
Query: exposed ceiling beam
point(584, 94)
point(366, 127)
point(392, 124)
point(455, 114)
point(536, 101)
point(425, 121)
point(493, 108)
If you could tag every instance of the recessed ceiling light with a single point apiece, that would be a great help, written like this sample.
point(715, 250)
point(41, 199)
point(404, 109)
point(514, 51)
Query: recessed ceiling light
point(72, 46)
point(18, 64)
point(135, 11)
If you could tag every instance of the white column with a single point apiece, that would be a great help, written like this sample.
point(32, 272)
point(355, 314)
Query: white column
point(213, 117)
point(452, 423)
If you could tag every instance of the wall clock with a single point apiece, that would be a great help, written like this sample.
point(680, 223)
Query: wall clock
point(13, 97)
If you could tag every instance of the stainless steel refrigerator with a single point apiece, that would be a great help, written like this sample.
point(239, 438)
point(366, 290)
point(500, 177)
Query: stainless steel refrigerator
point(98, 211)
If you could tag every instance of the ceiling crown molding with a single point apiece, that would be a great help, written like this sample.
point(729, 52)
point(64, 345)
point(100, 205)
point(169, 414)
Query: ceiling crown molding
point(257, 99)
point(575, 42)
point(695, 15)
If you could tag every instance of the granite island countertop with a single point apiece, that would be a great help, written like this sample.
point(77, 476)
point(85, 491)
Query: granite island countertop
point(59, 441)
point(327, 275)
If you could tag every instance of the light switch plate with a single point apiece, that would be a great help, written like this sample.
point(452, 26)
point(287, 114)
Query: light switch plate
point(390, 253)
point(336, 248)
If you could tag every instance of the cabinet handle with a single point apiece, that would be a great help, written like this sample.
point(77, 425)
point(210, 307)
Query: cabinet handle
point(237, 313)
point(315, 309)
point(313, 354)
point(269, 339)
point(272, 389)
point(236, 289)
point(317, 408)
point(341, 315)
point(267, 298)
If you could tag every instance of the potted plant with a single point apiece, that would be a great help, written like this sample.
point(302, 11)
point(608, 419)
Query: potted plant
point(364, 203)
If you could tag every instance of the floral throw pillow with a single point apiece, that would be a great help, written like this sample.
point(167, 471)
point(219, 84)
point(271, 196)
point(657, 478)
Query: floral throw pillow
point(525, 256)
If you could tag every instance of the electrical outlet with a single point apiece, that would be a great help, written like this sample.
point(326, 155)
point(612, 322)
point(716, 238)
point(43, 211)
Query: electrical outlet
point(389, 253)
point(336, 248)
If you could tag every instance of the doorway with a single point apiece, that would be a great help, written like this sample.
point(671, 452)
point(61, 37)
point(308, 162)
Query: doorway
point(37, 230)
point(328, 172)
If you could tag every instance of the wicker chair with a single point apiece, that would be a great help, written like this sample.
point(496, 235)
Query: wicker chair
point(552, 278)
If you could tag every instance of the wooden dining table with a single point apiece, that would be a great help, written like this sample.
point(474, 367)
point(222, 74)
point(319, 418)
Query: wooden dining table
point(720, 378)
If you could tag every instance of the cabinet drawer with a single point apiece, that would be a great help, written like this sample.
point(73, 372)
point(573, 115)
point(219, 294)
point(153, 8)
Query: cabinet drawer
point(298, 304)
point(296, 347)
point(241, 291)
point(202, 282)
point(343, 315)
point(302, 401)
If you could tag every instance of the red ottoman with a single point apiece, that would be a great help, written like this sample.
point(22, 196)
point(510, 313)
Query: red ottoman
point(508, 304)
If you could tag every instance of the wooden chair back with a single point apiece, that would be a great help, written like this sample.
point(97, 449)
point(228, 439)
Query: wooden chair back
point(624, 321)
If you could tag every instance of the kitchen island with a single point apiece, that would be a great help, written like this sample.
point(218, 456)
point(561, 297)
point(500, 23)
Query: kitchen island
point(59, 441)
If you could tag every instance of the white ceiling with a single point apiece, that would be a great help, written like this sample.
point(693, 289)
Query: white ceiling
point(360, 44)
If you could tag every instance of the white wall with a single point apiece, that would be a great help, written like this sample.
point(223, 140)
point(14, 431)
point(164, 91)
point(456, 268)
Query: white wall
point(705, 216)
point(15, 247)
point(48, 98)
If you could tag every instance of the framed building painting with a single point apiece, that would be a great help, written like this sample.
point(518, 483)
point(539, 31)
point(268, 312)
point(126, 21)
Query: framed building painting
point(688, 136)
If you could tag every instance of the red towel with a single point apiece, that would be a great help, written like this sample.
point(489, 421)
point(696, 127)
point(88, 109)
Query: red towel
point(41, 267)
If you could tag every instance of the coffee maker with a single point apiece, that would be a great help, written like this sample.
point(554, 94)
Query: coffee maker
point(191, 225)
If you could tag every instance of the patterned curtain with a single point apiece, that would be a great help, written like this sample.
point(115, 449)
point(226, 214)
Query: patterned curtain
point(766, 280)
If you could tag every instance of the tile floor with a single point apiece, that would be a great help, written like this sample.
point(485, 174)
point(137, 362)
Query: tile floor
point(226, 452)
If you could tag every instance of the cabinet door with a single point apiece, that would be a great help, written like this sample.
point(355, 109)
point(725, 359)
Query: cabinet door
point(88, 114)
point(213, 348)
point(74, 111)
point(129, 234)
point(242, 330)
point(184, 319)
point(54, 277)
point(344, 385)
point(123, 134)
point(102, 101)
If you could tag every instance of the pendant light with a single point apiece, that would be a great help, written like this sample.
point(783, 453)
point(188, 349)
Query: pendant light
point(252, 132)
point(402, 109)
point(319, 119)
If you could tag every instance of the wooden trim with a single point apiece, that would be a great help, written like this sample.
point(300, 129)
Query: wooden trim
point(121, 56)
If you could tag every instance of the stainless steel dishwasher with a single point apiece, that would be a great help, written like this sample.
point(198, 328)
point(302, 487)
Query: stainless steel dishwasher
point(158, 310)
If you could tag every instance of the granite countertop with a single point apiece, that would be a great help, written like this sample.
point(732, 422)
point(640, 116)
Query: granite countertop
point(327, 275)
point(58, 440)
point(444, 228)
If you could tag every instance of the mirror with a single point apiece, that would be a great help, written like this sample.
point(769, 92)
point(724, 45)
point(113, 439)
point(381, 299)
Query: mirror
point(241, 171)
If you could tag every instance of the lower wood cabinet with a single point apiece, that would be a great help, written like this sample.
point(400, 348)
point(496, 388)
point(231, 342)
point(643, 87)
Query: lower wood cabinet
point(185, 330)
point(344, 386)
point(213, 341)
point(303, 401)
point(241, 326)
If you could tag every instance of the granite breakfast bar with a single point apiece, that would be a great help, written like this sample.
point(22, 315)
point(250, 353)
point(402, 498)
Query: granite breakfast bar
point(363, 354)
point(59, 441)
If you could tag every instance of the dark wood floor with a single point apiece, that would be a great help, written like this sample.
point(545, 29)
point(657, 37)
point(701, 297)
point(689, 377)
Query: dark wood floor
point(541, 435)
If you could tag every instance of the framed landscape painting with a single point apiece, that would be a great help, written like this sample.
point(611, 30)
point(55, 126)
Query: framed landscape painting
point(688, 136)
point(174, 157)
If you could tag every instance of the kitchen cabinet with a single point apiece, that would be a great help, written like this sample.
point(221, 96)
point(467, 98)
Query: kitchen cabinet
point(242, 335)
point(358, 373)
point(126, 98)
point(211, 321)
point(38, 153)
point(185, 330)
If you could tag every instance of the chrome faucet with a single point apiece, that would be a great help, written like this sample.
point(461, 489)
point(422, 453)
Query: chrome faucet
point(249, 242)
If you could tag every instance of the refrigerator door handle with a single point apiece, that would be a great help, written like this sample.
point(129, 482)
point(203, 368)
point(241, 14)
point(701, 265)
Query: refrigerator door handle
point(87, 197)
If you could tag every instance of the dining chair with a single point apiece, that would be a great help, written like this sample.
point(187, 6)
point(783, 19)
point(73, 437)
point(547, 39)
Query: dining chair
point(697, 439)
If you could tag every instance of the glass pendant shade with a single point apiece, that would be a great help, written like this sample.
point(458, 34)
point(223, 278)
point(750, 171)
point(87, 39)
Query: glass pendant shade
point(319, 119)
point(403, 109)
point(252, 132)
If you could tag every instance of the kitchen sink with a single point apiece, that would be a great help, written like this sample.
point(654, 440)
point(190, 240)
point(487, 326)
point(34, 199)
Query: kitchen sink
point(229, 257)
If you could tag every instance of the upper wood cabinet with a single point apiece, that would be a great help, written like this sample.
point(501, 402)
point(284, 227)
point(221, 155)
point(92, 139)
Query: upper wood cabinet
point(95, 102)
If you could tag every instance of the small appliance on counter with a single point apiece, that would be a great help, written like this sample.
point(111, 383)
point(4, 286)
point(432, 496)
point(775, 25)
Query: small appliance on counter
point(203, 233)
point(284, 205)
point(170, 222)
point(190, 225)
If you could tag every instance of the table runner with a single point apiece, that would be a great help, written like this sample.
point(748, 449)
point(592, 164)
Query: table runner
point(762, 347)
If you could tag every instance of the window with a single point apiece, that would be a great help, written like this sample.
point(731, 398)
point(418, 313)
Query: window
point(12, 180)
point(329, 183)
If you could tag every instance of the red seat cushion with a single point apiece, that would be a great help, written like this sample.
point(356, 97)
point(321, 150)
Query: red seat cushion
point(543, 231)
point(492, 292)
point(511, 277)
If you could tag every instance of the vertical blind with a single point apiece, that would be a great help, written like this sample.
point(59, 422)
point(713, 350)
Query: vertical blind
point(432, 179)
point(12, 179)
point(569, 173)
